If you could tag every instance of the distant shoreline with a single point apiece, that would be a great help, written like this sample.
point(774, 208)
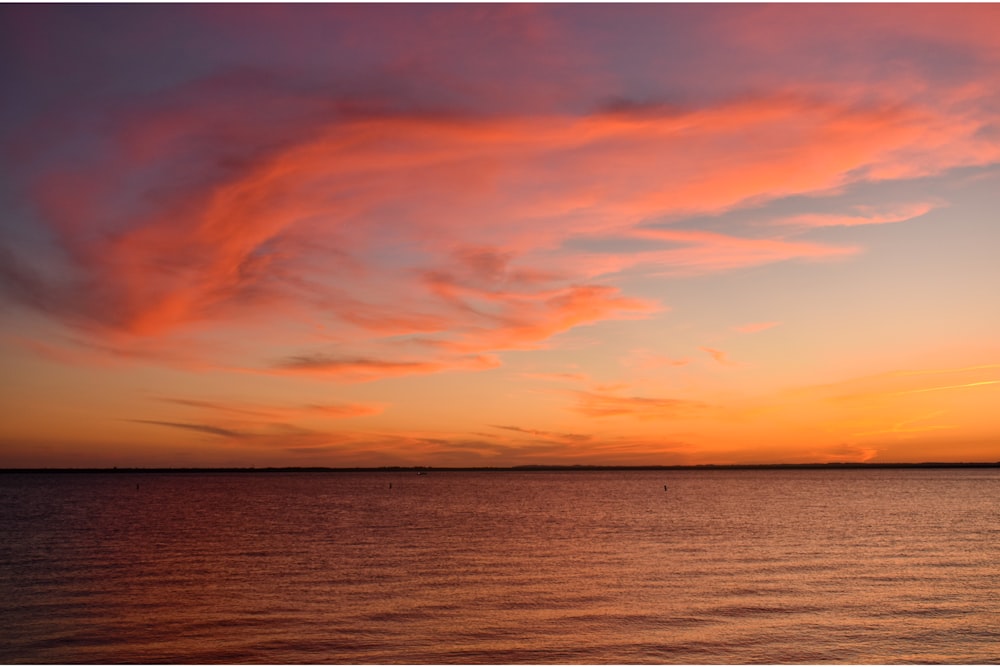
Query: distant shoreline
point(522, 468)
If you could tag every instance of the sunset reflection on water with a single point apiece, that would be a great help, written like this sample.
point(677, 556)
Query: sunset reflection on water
point(853, 566)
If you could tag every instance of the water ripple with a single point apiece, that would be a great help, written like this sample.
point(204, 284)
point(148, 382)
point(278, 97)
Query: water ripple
point(734, 567)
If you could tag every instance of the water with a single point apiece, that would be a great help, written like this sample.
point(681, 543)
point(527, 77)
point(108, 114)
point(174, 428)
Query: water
point(772, 566)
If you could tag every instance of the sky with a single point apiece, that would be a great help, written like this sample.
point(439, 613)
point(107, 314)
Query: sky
point(499, 235)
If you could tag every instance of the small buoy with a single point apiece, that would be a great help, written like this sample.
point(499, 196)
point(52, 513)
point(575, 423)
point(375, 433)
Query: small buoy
point(664, 487)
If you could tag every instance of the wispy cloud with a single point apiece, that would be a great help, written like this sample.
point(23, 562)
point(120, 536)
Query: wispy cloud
point(200, 428)
point(606, 404)
point(526, 323)
point(861, 215)
point(719, 356)
point(239, 241)
point(298, 194)
point(365, 370)
point(265, 436)
point(548, 435)
point(908, 427)
point(966, 385)
point(270, 412)
point(909, 382)
point(699, 251)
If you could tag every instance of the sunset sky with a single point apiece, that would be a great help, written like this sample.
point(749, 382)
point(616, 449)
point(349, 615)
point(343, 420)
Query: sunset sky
point(493, 235)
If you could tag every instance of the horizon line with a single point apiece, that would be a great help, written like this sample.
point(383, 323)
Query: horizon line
point(517, 468)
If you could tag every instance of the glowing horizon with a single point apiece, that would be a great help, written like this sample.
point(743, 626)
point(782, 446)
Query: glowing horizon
point(497, 235)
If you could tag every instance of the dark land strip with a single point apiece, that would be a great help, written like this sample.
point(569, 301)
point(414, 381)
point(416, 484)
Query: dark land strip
point(521, 468)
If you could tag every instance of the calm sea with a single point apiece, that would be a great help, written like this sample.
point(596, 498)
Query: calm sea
point(772, 566)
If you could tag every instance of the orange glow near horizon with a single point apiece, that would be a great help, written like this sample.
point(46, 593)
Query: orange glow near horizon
point(500, 237)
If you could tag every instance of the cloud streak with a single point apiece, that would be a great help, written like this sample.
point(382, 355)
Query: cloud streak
point(365, 370)
point(720, 356)
point(862, 215)
point(327, 411)
point(199, 428)
point(605, 404)
point(450, 190)
point(548, 435)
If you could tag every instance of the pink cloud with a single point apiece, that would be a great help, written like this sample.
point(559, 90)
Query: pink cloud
point(862, 215)
point(246, 200)
point(706, 252)
point(525, 322)
point(215, 245)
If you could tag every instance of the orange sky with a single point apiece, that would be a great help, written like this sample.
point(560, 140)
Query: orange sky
point(498, 235)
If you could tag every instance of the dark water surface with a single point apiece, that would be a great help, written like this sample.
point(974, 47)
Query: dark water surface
point(770, 566)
